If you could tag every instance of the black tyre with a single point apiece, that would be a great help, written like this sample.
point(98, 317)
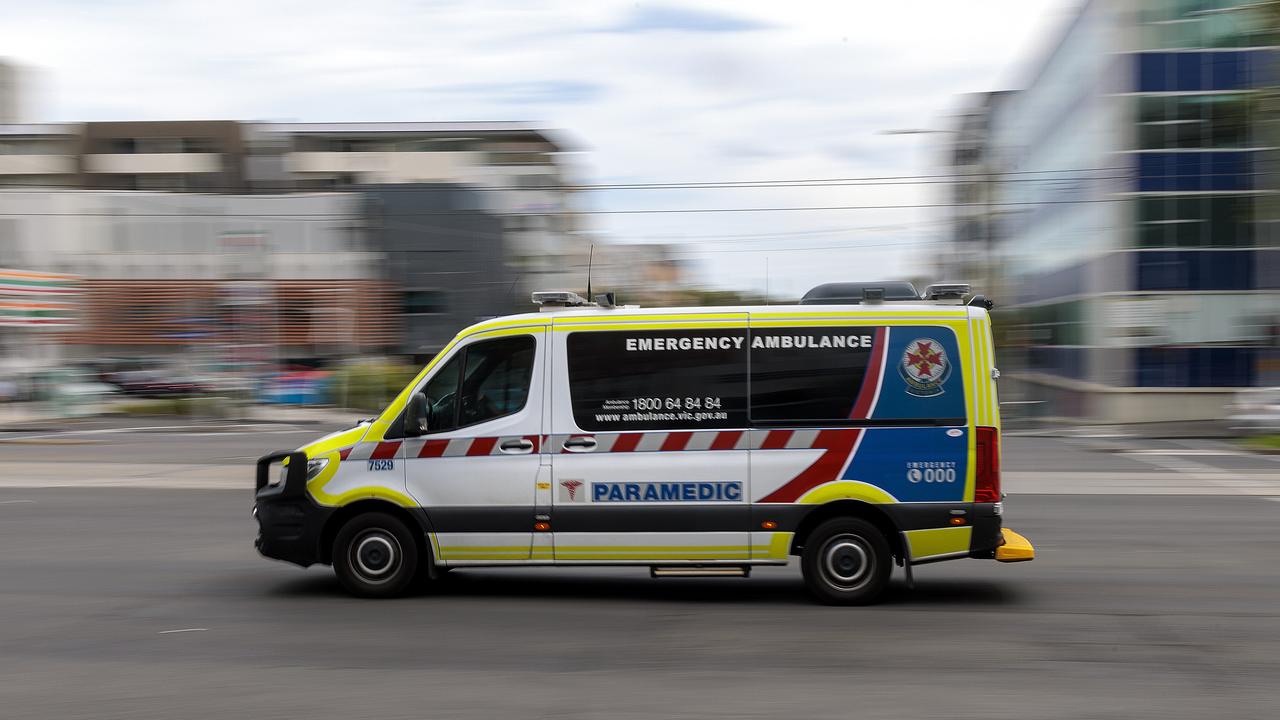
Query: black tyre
point(846, 561)
point(375, 556)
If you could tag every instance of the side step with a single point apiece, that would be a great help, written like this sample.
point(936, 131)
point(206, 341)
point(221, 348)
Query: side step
point(659, 571)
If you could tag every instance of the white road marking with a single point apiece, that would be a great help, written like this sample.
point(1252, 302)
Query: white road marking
point(1274, 499)
point(182, 630)
point(15, 502)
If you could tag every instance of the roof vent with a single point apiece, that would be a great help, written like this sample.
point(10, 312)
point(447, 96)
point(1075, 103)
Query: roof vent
point(857, 293)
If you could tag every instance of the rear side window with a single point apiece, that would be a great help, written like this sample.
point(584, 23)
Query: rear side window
point(808, 374)
point(840, 375)
point(658, 379)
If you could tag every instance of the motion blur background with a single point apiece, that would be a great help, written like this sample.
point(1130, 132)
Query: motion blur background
point(1105, 171)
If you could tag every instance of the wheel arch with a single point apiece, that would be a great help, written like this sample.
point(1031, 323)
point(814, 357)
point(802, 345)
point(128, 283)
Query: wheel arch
point(344, 514)
point(849, 508)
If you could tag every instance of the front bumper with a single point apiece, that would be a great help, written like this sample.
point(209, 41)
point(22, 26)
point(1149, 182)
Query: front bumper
point(290, 523)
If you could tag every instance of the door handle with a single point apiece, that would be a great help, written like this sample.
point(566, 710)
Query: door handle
point(517, 447)
point(580, 444)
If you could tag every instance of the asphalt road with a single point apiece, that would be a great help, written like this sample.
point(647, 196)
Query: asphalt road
point(142, 601)
point(1139, 606)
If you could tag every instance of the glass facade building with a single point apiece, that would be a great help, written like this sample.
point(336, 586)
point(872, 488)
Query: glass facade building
point(1136, 201)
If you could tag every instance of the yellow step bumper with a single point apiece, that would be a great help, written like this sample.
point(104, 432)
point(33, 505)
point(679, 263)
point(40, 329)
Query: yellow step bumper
point(1014, 548)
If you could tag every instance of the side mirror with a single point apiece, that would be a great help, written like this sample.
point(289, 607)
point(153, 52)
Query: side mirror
point(417, 416)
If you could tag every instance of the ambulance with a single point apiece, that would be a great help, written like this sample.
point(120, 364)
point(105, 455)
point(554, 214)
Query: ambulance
point(856, 431)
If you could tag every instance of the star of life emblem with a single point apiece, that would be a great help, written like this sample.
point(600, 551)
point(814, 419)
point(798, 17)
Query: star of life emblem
point(569, 490)
point(924, 367)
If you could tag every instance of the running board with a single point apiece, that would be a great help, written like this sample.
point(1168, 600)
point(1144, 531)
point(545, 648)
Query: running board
point(658, 571)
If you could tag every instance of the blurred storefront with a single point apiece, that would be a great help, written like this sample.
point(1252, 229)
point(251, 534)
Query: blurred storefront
point(209, 279)
point(1136, 242)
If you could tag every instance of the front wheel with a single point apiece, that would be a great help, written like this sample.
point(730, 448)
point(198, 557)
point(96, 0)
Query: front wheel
point(846, 561)
point(375, 556)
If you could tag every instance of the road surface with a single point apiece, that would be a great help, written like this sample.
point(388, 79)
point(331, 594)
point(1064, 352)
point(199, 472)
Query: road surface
point(149, 601)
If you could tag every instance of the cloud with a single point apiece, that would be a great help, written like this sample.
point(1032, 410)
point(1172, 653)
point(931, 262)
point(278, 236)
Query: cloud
point(645, 18)
point(696, 93)
point(536, 92)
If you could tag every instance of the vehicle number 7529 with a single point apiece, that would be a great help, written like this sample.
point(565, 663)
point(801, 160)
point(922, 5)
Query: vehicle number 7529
point(378, 465)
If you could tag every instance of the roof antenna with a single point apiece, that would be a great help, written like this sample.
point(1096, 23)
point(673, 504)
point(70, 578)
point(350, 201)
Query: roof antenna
point(590, 256)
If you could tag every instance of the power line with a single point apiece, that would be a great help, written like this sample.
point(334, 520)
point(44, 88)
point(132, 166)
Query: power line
point(644, 211)
point(463, 186)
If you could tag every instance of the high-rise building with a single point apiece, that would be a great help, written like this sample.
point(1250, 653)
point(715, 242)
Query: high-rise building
point(1137, 231)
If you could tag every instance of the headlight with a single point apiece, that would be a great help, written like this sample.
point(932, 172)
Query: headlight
point(315, 467)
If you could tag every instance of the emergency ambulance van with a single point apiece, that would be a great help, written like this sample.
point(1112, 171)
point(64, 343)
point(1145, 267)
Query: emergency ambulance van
point(855, 431)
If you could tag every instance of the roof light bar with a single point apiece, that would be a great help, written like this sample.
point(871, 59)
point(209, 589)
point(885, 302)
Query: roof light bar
point(947, 291)
point(559, 298)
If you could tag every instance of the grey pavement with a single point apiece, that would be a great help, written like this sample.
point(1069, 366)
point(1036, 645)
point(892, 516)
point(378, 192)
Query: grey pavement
point(133, 603)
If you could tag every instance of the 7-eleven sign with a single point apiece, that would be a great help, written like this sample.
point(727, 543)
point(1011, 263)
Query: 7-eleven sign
point(36, 299)
point(26, 282)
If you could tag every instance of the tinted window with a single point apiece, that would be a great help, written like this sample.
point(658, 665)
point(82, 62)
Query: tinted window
point(441, 392)
point(658, 379)
point(807, 374)
point(485, 380)
point(496, 380)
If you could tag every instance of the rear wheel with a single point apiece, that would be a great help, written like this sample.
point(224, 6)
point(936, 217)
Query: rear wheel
point(846, 561)
point(374, 555)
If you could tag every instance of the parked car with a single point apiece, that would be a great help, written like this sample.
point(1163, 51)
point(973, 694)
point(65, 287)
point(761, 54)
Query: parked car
point(155, 383)
point(1255, 411)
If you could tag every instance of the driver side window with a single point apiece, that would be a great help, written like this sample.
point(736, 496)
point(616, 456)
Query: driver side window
point(486, 380)
point(441, 392)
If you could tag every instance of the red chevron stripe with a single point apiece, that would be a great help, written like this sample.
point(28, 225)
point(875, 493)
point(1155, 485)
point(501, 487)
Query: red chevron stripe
point(776, 439)
point(385, 450)
point(837, 444)
point(344, 452)
point(675, 441)
point(626, 442)
point(482, 446)
point(871, 379)
point(433, 448)
point(726, 439)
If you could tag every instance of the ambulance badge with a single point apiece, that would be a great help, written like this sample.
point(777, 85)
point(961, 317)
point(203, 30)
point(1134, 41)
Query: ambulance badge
point(569, 490)
point(924, 367)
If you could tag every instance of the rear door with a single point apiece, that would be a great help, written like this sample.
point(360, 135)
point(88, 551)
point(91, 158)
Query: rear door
point(649, 442)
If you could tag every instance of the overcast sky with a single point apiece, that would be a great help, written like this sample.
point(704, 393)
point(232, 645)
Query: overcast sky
point(650, 92)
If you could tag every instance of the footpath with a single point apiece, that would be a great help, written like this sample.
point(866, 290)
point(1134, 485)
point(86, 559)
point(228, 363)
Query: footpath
point(30, 416)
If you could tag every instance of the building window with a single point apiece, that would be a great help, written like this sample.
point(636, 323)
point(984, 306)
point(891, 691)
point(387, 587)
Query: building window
point(1193, 121)
point(425, 302)
point(1195, 221)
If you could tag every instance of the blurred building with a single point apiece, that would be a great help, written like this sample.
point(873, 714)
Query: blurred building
point(209, 279)
point(445, 254)
point(468, 218)
point(10, 93)
point(970, 255)
point(1136, 235)
point(520, 169)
